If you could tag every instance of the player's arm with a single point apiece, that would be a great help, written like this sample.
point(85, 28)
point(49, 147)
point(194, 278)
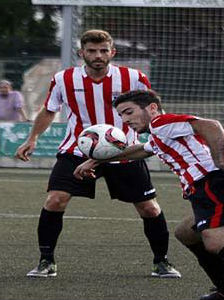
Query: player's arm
point(134, 152)
point(41, 123)
point(213, 133)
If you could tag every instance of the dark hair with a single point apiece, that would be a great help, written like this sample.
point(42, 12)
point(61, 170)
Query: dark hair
point(139, 97)
point(96, 36)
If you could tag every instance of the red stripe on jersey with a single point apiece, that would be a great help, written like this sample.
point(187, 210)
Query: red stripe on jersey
point(170, 118)
point(176, 157)
point(69, 85)
point(107, 96)
point(125, 79)
point(215, 220)
point(200, 139)
point(71, 148)
point(143, 79)
point(182, 141)
point(89, 97)
point(53, 83)
point(201, 169)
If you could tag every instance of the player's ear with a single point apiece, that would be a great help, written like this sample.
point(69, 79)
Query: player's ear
point(80, 53)
point(113, 52)
point(153, 106)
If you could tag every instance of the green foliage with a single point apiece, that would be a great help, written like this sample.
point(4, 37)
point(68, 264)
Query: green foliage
point(22, 32)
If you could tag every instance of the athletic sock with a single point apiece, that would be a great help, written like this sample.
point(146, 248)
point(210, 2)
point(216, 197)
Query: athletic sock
point(211, 263)
point(49, 228)
point(157, 234)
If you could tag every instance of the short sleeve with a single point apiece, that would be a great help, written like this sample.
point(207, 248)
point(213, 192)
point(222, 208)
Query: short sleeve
point(143, 82)
point(53, 101)
point(172, 126)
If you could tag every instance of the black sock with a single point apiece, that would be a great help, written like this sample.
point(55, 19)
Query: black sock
point(211, 263)
point(49, 228)
point(157, 234)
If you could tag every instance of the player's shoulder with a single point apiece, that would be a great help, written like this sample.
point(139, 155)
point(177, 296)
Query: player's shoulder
point(123, 67)
point(166, 119)
point(128, 71)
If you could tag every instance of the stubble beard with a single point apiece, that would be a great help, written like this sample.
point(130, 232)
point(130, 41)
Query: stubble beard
point(97, 68)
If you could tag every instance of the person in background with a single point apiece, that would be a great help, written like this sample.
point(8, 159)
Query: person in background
point(11, 103)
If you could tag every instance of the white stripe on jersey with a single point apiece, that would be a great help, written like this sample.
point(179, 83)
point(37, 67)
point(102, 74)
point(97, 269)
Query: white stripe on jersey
point(99, 102)
point(133, 79)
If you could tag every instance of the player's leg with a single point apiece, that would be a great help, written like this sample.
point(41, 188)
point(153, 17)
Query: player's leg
point(156, 231)
point(208, 206)
point(131, 183)
point(62, 185)
point(192, 239)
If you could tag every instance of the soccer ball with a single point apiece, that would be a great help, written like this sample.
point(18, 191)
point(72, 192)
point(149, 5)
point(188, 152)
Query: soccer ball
point(102, 141)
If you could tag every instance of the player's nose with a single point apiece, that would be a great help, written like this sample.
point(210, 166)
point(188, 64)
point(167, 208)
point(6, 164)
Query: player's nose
point(125, 119)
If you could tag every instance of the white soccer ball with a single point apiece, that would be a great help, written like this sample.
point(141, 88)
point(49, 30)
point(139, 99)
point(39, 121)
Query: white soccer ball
point(102, 141)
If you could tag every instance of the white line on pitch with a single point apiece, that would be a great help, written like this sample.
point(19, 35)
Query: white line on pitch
point(21, 216)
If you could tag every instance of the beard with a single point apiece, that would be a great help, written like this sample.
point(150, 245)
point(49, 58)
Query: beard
point(93, 64)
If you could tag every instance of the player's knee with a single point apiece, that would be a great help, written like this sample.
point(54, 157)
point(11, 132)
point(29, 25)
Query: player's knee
point(57, 201)
point(148, 209)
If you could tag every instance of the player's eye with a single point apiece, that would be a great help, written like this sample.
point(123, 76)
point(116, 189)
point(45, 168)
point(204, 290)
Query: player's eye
point(104, 51)
point(129, 112)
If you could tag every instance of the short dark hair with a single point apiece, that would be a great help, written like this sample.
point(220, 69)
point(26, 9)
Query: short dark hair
point(96, 36)
point(139, 97)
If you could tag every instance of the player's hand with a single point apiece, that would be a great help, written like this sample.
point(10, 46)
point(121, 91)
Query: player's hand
point(86, 169)
point(25, 150)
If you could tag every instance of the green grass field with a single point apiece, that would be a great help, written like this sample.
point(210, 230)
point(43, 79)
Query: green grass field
point(102, 253)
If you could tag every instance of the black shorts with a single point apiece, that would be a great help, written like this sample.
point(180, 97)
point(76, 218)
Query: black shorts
point(129, 182)
point(207, 200)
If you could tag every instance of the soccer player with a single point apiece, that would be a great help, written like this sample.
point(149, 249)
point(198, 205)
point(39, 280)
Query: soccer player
point(87, 92)
point(194, 150)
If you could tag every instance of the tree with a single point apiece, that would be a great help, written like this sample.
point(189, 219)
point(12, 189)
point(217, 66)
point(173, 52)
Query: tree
point(27, 29)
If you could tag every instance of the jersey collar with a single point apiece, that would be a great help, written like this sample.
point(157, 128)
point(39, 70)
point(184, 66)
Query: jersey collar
point(84, 74)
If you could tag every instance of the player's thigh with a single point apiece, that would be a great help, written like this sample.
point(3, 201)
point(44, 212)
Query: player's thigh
point(185, 232)
point(62, 178)
point(129, 182)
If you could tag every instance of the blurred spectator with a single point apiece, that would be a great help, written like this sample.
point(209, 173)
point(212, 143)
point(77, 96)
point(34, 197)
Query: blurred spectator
point(11, 103)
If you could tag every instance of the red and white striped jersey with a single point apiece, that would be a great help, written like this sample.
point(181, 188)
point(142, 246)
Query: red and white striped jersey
point(88, 102)
point(173, 140)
